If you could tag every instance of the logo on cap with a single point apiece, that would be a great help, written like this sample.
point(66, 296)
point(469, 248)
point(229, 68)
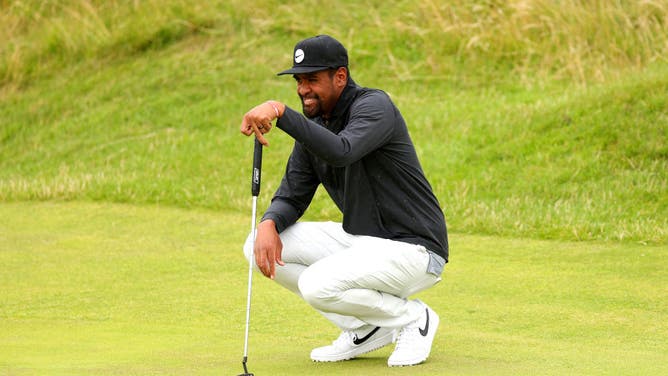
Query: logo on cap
point(299, 56)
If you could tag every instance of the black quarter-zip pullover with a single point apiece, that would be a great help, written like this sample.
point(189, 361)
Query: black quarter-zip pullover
point(364, 157)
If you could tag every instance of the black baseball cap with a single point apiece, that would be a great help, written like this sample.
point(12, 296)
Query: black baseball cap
point(317, 53)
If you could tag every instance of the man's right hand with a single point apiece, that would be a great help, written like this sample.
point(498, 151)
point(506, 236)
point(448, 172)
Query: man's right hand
point(268, 248)
point(258, 119)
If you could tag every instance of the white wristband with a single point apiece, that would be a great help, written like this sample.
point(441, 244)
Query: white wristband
point(275, 109)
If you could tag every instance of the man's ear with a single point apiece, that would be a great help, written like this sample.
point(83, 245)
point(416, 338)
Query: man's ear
point(341, 77)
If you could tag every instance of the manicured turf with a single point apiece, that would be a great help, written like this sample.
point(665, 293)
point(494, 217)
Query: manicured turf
point(94, 288)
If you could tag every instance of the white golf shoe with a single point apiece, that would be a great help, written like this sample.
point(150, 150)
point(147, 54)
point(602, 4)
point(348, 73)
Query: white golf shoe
point(352, 344)
point(415, 339)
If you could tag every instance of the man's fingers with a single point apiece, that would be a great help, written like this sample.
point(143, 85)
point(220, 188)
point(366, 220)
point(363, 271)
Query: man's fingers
point(245, 128)
point(268, 249)
point(279, 258)
point(266, 262)
point(263, 262)
point(259, 136)
point(272, 270)
point(259, 261)
point(258, 121)
point(265, 127)
point(271, 264)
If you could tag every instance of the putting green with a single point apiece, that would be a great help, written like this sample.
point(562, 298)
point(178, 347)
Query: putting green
point(96, 288)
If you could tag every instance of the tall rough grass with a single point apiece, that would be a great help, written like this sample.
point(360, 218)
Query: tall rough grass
point(577, 40)
point(573, 39)
point(40, 34)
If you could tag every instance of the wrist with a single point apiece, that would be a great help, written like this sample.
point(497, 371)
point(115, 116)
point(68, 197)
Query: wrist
point(278, 107)
point(268, 223)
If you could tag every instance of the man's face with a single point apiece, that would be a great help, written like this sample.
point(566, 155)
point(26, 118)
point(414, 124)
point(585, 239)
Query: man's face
point(319, 92)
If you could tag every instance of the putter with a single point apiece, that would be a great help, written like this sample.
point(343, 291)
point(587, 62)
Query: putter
point(255, 191)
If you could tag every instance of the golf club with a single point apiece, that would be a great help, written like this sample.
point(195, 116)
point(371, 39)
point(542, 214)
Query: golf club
point(255, 191)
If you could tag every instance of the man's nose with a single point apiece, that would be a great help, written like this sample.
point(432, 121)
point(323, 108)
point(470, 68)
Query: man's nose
point(302, 89)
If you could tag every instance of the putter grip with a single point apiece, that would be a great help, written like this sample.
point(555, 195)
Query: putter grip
point(257, 168)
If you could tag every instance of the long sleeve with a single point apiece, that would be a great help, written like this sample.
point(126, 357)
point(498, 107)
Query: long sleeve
point(370, 126)
point(295, 192)
point(363, 155)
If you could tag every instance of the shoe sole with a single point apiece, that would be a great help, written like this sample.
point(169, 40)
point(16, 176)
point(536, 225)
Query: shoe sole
point(374, 345)
point(434, 322)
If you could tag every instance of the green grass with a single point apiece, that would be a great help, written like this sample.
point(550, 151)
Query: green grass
point(560, 161)
point(124, 182)
point(92, 288)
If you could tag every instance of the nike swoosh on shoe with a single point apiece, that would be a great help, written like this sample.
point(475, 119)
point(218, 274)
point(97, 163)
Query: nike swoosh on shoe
point(359, 341)
point(425, 331)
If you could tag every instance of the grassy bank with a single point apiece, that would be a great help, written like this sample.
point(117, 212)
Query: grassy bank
point(529, 122)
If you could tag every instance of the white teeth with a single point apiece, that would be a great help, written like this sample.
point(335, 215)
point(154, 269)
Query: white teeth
point(309, 101)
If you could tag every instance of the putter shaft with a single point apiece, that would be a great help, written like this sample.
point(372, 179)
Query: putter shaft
point(255, 191)
point(250, 280)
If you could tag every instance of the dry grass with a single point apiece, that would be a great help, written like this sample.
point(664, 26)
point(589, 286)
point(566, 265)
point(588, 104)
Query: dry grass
point(573, 39)
point(41, 34)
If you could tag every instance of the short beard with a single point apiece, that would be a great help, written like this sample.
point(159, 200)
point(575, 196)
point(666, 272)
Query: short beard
point(315, 112)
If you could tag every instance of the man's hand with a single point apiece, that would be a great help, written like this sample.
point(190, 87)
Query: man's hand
point(258, 120)
point(268, 248)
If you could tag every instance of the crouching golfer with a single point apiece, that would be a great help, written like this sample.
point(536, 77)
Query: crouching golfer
point(393, 240)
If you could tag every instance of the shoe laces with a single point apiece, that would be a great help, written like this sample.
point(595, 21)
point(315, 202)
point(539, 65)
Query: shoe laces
point(408, 335)
point(344, 340)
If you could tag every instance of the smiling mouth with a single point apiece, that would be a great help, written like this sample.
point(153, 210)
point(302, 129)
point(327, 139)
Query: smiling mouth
point(309, 102)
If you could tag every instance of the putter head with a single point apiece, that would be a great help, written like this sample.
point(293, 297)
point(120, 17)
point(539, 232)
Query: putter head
point(246, 373)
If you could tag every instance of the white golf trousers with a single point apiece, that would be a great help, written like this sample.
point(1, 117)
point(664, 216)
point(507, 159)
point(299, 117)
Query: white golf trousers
point(354, 281)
